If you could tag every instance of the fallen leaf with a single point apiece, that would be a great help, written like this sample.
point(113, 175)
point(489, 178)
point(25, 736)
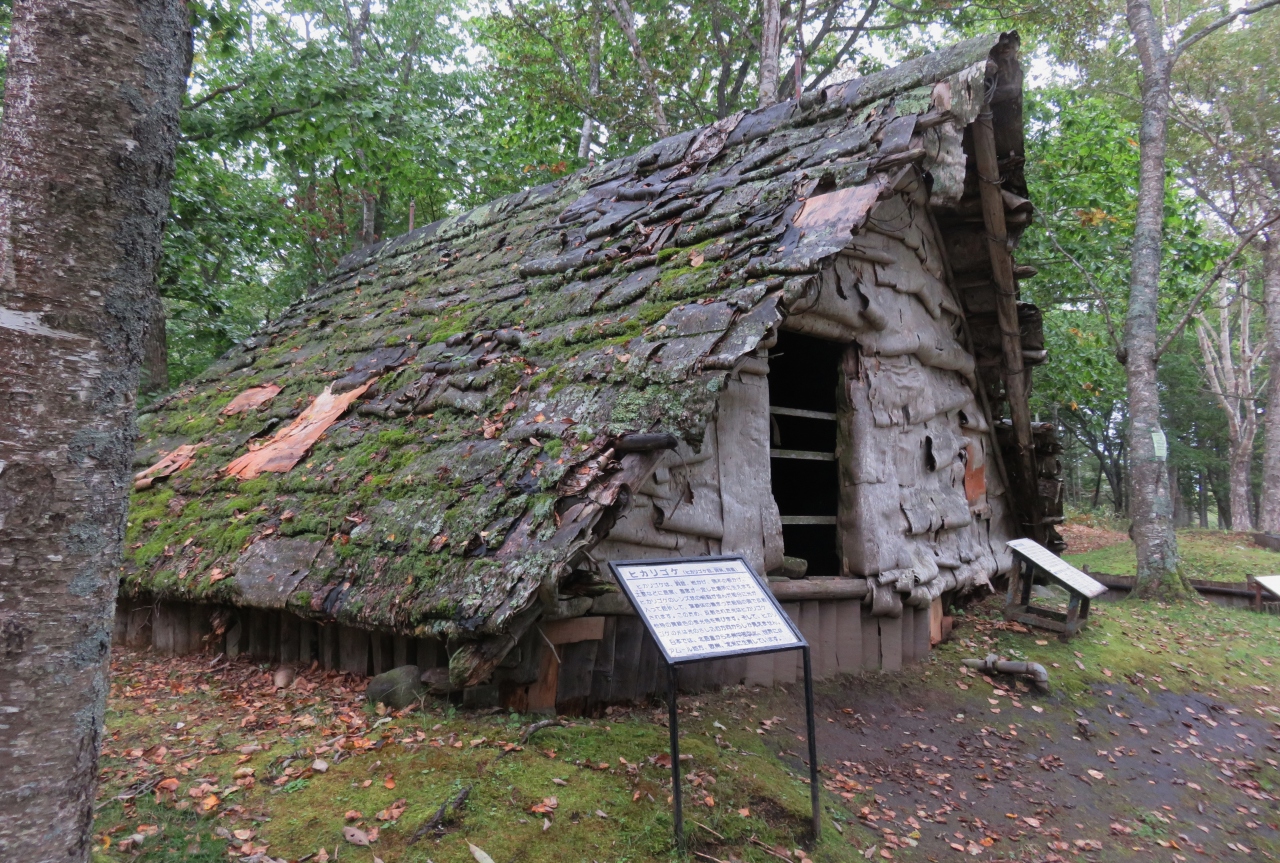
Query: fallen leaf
point(546, 824)
point(745, 812)
point(558, 781)
point(546, 807)
point(320, 765)
point(480, 856)
point(1097, 774)
point(389, 783)
point(601, 813)
point(353, 815)
point(356, 836)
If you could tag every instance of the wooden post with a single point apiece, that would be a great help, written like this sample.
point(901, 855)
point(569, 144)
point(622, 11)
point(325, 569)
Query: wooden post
point(890, 643)
point(1073, 617)
point(870, 641)
point(1016, 384)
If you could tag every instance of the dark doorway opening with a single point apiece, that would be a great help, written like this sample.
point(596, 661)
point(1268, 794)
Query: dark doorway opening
point(804, 374)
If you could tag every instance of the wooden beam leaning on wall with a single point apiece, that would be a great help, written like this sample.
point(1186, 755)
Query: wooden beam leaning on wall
point(1017, 388)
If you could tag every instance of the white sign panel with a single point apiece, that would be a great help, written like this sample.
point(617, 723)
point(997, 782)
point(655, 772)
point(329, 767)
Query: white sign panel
point(699, 608)
point(1064, 572)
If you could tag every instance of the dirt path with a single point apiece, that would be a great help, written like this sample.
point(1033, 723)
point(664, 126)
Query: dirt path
point(953, 773)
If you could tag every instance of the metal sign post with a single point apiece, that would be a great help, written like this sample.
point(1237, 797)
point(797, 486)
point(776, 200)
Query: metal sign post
point(702, 608)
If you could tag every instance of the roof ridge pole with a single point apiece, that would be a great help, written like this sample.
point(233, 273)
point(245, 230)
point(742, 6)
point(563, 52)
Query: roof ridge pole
point(1016, 384)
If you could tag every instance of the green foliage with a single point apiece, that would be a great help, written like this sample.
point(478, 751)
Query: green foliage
point(1082, 171)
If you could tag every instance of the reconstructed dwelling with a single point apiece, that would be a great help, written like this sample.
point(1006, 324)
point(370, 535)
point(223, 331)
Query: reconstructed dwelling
point(793, 335)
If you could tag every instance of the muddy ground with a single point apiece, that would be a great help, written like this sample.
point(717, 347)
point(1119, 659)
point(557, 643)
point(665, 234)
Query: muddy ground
point(977, 773)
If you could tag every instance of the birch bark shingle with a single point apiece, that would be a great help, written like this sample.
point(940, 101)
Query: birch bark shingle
point(86, 156)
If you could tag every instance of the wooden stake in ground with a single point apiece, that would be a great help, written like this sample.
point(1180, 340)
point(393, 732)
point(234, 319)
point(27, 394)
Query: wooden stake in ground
point(86, 156)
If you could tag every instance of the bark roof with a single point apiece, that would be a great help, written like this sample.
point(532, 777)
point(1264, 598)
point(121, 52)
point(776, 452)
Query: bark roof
point(505, 349)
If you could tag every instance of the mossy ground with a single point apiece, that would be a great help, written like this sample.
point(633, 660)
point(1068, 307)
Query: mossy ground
point(393, 771)
point(1138, 662)
point(1212, 555)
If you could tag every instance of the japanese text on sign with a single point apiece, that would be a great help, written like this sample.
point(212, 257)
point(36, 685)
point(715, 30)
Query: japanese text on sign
point(706, 607)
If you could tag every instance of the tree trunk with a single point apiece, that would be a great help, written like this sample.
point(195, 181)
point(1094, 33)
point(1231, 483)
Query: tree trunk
point(1150, 506)
point(86, 155)
point(368, 218)
point(1269, 510)
point(1221, 499)
point(770, 49)
point(1239, 481)
point(1181, 515)
point(155, 360)
point(1203, 495)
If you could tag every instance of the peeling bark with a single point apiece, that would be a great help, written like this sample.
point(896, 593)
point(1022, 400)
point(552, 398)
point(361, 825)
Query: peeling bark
point(86, 156)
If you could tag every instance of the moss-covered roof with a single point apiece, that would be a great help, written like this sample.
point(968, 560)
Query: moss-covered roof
point(511, 345)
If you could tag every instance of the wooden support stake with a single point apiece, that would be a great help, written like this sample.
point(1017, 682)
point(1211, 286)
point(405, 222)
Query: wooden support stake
point(1017, 385)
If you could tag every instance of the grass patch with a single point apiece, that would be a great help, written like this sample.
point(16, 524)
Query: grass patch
point(1208, 554)
point(1182, 648)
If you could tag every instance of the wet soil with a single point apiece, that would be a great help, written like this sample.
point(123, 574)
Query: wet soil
point(984, 774)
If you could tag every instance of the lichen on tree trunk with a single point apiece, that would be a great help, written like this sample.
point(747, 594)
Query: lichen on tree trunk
point(1269, 510)
point(86, 155)
point(1150, 504)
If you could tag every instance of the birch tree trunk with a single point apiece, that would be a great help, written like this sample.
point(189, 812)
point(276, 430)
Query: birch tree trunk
point(770, 49)
point(1269, 509)
point(86, 156)
point(1231, 381)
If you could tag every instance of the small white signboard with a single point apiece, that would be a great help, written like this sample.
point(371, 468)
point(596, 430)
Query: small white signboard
point(706, 607)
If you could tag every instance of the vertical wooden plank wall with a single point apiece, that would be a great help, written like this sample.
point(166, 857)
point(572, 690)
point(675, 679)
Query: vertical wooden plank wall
point(602, 660)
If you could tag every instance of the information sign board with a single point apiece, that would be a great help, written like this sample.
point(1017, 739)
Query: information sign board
point(706, 607)
point(700, 608)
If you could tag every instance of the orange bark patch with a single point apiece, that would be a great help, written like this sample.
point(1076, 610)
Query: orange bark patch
point(289, 445)
point(173, 462)
point(975, 477)
point(254, 397)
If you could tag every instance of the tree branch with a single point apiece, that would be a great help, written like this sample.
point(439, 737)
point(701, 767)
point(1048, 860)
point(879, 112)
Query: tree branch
point(1245, 240)
point(213, 94)
point(621, 10)
point(1093, 287)
point(1195, 37)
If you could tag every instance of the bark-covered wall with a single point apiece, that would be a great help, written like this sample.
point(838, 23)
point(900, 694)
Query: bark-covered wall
point(922, 502)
